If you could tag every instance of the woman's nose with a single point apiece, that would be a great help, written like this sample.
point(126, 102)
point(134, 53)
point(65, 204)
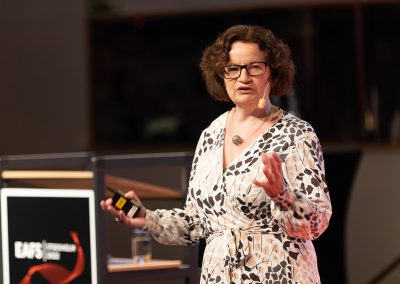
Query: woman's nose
point(244, 75)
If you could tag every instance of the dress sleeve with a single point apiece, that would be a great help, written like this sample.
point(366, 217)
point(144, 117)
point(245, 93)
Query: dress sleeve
point(178, 226)
point(175, 226)
point(303, 207)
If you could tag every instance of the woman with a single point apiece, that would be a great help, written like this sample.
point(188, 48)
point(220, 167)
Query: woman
point(257, 190)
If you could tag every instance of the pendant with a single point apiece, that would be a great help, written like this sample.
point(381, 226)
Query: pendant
point(237, 140)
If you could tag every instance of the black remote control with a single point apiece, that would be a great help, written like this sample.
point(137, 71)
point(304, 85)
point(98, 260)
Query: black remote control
point(130, 208)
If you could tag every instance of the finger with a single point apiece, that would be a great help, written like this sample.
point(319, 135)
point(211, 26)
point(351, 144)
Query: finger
point(266, 163)
point(264, 158)
point(277, 160)
point(262, 184)
point(274, 176)
point(275, 164)
point(276, 157)
point(272, 159)
point(266, 186)
point(102, 204)
point(105, 203)
point(132, 195)
point(112, 211)
point(277, 167)
point(131, 222)
point(122, 217)
point(269, 167)
point(270, 184)
point(266, 170)
point(271, 177)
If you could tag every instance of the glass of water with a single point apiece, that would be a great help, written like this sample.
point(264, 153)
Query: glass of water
point(141, 246)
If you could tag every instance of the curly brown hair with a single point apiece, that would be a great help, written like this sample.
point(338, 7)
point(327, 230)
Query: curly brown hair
point(216, 56)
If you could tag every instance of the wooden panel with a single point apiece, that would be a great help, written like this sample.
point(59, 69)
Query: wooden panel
point(83, 180)
point(127, 265)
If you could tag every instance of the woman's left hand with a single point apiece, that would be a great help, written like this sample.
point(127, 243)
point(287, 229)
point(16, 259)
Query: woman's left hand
point(273, 183)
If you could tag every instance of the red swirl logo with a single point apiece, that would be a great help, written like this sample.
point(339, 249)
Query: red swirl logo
point(58, 274)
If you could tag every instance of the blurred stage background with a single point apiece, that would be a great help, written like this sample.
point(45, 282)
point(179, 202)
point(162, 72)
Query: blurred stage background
point(121, 76)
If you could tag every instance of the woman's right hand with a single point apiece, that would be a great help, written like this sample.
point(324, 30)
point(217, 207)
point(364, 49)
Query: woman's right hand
point(137, 222)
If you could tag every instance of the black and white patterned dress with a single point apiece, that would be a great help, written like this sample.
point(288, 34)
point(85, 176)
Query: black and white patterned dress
point(252, 238)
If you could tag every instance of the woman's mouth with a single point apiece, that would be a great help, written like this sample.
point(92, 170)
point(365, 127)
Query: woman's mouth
point(245, 90)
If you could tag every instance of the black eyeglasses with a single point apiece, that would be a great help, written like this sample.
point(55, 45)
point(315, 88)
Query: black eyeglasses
point(253, 69)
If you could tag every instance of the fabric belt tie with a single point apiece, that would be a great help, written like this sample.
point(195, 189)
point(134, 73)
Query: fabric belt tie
point(237, 241)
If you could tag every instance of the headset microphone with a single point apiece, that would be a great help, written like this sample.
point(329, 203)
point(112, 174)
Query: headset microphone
point(263, 101)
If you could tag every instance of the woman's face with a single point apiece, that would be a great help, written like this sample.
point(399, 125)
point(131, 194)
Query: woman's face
point(246, 90)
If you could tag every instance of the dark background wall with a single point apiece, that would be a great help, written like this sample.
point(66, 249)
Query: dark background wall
point(44, 104)
point(146, 85)
point(111, 77)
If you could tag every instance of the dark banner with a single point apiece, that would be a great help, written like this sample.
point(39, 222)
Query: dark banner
point(48, 236)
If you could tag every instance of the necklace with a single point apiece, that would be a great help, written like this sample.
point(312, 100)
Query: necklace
point(237, 140)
